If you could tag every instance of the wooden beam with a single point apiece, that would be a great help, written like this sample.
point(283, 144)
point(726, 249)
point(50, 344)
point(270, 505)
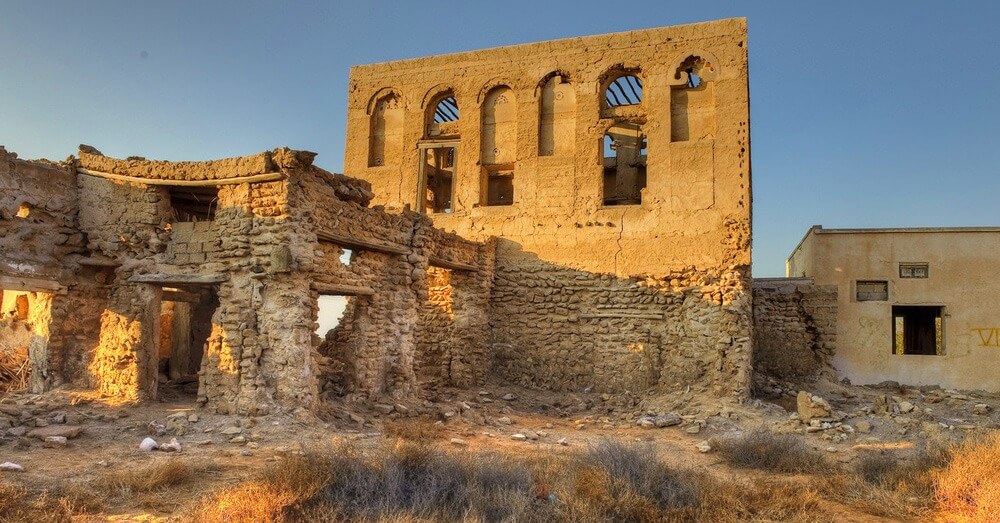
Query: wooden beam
point(21, 283)
point(253, 178)
point(623, 315)
point(453, 265)
point(342, 290)
point(100, 262)
point(179, 279)
point(360, 244)
point(187, 297)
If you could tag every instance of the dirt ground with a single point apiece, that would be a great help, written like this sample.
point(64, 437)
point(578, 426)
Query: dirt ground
point(227, 449)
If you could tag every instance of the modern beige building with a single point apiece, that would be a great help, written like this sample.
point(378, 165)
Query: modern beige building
point(918, 306)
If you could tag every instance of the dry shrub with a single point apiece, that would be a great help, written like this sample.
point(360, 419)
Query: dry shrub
point(764, 450)
point(732, 501)
point(418, 430)
point(889, 484)
point(968, 488)
point(17, 503)
point(271, 496)
point(149, 478)
point(15, 367)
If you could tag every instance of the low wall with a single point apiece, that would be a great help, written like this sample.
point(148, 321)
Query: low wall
point(795, 326)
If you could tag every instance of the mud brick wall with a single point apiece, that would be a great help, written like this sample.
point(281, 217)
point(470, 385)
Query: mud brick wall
point(436, 323)
point(795, 329)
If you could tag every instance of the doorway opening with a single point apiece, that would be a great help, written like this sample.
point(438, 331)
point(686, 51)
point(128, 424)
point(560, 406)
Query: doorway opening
point(185, 327)
point(24, 329)
point(917, 329)
point(437, 180)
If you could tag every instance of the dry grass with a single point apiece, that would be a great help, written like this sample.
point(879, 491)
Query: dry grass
point(149, 478)
point(18, 503)
point(764, 450)
point(968, 488)
point(15, 368)
point(417, 430)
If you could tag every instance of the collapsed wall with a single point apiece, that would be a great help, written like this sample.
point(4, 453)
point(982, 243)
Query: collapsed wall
point(795, 327)
point(615, 170)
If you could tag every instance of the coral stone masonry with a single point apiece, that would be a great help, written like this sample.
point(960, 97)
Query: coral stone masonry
point(571, 215)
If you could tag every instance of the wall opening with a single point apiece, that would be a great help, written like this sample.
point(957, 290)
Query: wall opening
point(498, 186)
point(623, 91)
point(917, 329)
point(193, 204)
point(185, 328)
point(692, 104)
point(442, 117)
point(438, 169)
point(385, 145)
point(339, 319)
point(23, 210)
point(25, 319)
point(624, 161)
point(557, 118)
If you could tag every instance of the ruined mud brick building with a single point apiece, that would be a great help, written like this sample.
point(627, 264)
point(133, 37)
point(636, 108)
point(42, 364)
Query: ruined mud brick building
point(240, 249)
point(614, 169)
point(598, 190)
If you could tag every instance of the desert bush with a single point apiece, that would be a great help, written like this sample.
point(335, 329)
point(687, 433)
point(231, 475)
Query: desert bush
point(18, 503)
point(765, 450)
point(636, 468)
point(148, 478)
point(733, 501)
point(968, 488)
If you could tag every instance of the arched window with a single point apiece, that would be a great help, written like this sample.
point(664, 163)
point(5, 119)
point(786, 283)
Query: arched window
point(442, 117)
point(385, 144)
point(498, 146)
point(692, 101)
point(623, 91)
point(557, 117)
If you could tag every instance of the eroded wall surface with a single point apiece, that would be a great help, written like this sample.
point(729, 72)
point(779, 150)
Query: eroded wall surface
point(621, 266)
point(795, 327)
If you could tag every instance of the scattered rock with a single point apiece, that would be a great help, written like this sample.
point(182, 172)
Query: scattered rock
point(810, 406)
point(667, 420)
point(981, 409)
point(905, 407)
point(193, 418)
point(148, 444)
point(509, 397)
point(505, 420)
point(531, 435)
point(231, 431)
point(239, 440)
point(11, 467)
point(173, 446)
point(66, 431)
point(693, 429)
point(17, 431)
point(383, 408)
point(863, 427)
point(459, 442)
point(519, 437)
point(156, 428)
point(53, 442)
point(704, 447)
point(246, 452)
point(564, 442)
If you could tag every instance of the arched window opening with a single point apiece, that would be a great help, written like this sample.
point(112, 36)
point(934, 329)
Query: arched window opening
point(557, 118)
point(443, 116)
point(498, 147)
point(692, 102)
point(386, 136)
point(624, 91)
point(624, 160)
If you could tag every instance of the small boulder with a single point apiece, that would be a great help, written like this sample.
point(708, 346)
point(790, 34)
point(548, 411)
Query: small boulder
point(564, 442)
point(148, 444)
point(509, 397)
point(173, 446)
point(863, 427)
point(231, 431)
point(905, 407)
point(981, 409)
point(459, 442)
point(518, 437)
point(704, 447)
point(8, 466)
point(66, 431)
point(667, 420)
point(810, 406)
point(53, 442)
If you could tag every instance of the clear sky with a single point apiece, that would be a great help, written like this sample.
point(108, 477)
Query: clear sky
point(864, 114)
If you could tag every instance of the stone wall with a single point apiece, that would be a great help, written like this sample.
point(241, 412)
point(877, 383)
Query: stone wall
point(795, 326)
point(666, 204)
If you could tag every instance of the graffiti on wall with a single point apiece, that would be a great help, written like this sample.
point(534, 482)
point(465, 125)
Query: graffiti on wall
point(989, 337)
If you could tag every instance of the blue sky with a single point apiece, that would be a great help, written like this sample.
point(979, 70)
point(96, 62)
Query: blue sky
point(864, 114)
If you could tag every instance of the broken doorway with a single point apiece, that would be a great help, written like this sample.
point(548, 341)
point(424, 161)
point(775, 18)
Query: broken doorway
point(437, 177)
point(24, 335)
point(185, 327)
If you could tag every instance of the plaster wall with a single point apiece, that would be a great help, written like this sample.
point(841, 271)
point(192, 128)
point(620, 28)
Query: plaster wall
point(962, 278)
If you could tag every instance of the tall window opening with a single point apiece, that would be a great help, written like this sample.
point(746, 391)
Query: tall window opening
point(557, 118)
point(624, 157)
point(386, 135)
point(499, 147)
point(917, 330)
point(438, 176)
point(692, 102)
